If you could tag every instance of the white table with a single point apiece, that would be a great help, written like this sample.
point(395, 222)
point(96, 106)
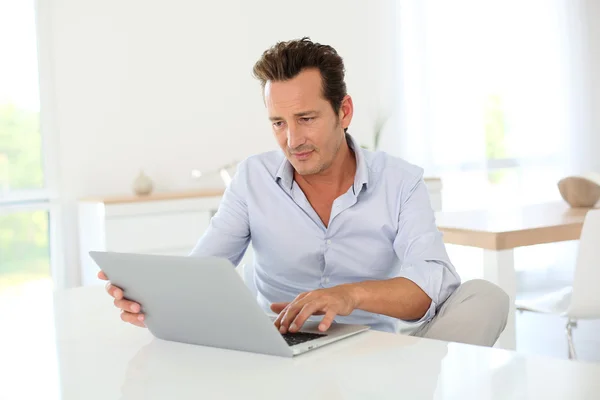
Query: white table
point(499, 232)
point(77, 348)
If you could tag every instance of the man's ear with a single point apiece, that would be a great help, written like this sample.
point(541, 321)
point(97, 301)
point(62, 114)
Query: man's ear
point(346, 111)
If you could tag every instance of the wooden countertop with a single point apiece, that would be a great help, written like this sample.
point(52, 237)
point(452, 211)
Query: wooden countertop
point(177, 195)
point(158, 196)
point(493, 230)
point(511, 228)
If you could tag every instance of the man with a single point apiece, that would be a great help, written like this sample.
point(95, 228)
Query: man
point(338, 231)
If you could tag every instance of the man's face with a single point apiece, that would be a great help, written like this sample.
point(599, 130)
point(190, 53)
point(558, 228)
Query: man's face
point(307, 129)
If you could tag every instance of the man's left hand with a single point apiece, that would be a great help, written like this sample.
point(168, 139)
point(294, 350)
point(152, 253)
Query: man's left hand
point(338, 300)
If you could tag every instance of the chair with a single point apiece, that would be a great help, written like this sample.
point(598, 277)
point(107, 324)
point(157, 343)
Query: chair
point(582, 300)
point(246, 272)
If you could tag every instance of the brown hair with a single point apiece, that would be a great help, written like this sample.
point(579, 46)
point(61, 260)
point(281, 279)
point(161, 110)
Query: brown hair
point(285, 60)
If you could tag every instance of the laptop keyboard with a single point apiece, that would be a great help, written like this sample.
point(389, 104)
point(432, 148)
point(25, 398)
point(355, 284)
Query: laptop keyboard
point(293, 339)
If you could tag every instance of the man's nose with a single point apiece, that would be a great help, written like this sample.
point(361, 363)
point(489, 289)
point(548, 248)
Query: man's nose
point(294, 137)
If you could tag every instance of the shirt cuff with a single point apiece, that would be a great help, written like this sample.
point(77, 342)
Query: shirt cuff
point(428, 315)
point(420, 276)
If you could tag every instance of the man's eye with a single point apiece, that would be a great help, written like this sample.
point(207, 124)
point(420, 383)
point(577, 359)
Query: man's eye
point(307, 119)
point(278, 124)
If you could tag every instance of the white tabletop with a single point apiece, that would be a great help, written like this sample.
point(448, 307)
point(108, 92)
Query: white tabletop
point(77, 348)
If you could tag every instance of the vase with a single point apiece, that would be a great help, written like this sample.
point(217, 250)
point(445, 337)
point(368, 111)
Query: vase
point(142, 186)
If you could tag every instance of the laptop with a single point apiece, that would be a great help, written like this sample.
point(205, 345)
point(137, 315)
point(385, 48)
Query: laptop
point(204, 301)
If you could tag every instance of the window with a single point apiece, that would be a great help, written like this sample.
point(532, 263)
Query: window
point(24, 248)
point(484, 85)
point(25, 207)
point(489, 99)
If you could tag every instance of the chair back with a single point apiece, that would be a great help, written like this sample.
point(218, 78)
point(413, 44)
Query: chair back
point(246, 272)
point(585, 299)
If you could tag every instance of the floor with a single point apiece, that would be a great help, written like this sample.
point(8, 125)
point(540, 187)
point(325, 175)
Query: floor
point(545, 335)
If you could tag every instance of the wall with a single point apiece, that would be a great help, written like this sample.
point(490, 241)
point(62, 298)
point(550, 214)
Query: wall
point(166, 86)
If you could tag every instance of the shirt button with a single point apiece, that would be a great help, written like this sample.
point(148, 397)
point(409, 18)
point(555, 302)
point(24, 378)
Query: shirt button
point(329, 241)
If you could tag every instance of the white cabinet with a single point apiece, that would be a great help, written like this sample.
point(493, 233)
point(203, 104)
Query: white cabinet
point(168, 224)
point(161, 224)
point(434, 187)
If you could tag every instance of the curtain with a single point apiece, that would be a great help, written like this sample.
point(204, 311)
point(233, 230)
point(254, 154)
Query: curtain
point(496, 97)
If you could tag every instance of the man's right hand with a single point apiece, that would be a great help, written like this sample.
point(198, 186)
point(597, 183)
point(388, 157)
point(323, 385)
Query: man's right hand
point(130, 311)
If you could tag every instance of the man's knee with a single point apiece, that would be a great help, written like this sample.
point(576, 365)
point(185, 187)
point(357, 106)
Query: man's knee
point(489, 297)
point(475, 314)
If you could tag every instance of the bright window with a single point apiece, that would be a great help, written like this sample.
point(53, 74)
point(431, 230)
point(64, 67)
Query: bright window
point(484, 87)
point(24, 201)
point(487, 104)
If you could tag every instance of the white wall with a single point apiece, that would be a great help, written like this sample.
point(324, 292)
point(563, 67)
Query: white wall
point(167, 86)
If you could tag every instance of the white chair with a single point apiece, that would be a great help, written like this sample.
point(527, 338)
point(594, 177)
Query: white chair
point(246, 272)
point(582, 300)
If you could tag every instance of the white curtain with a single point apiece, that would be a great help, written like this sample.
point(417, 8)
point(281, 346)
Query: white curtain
point(495, 96)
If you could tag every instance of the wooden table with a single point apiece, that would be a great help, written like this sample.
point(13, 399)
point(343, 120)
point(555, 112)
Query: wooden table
point(156, 196)
point(498, 233)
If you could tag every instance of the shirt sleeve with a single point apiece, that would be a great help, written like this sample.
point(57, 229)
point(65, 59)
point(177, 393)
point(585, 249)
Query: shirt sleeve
point(228, 234)
point(420, 247)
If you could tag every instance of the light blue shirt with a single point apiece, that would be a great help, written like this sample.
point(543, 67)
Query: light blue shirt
point(383, 227)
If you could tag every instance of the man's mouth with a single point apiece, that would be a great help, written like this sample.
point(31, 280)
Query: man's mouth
point(303, 156)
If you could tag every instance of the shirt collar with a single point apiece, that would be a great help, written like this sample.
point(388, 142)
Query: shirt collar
point(285, 173)
point(361, 178)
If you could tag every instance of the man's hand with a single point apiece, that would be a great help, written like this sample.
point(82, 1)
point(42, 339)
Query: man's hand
point(130, 311)
point(338, 300)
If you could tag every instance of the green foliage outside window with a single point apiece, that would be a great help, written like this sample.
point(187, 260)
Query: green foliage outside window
point(23, 235)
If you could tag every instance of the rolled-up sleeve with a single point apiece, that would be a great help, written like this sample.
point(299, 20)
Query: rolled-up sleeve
point(420, 247)
point(228, 234)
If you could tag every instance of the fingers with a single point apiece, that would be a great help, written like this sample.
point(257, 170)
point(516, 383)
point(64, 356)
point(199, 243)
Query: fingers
point(282, 307)
point(127, 305)
point(102, 275)
point(130, 310)
point(327, 321)
point(288, 316)
point(114, 291)
point(283, 320)
point(277, 322)
point(281, 312)
point(278, 307)
point(304, 313)
point(291, 313)
point(135, 319)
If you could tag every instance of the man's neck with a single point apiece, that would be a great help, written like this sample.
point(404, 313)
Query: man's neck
point(335, 178)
